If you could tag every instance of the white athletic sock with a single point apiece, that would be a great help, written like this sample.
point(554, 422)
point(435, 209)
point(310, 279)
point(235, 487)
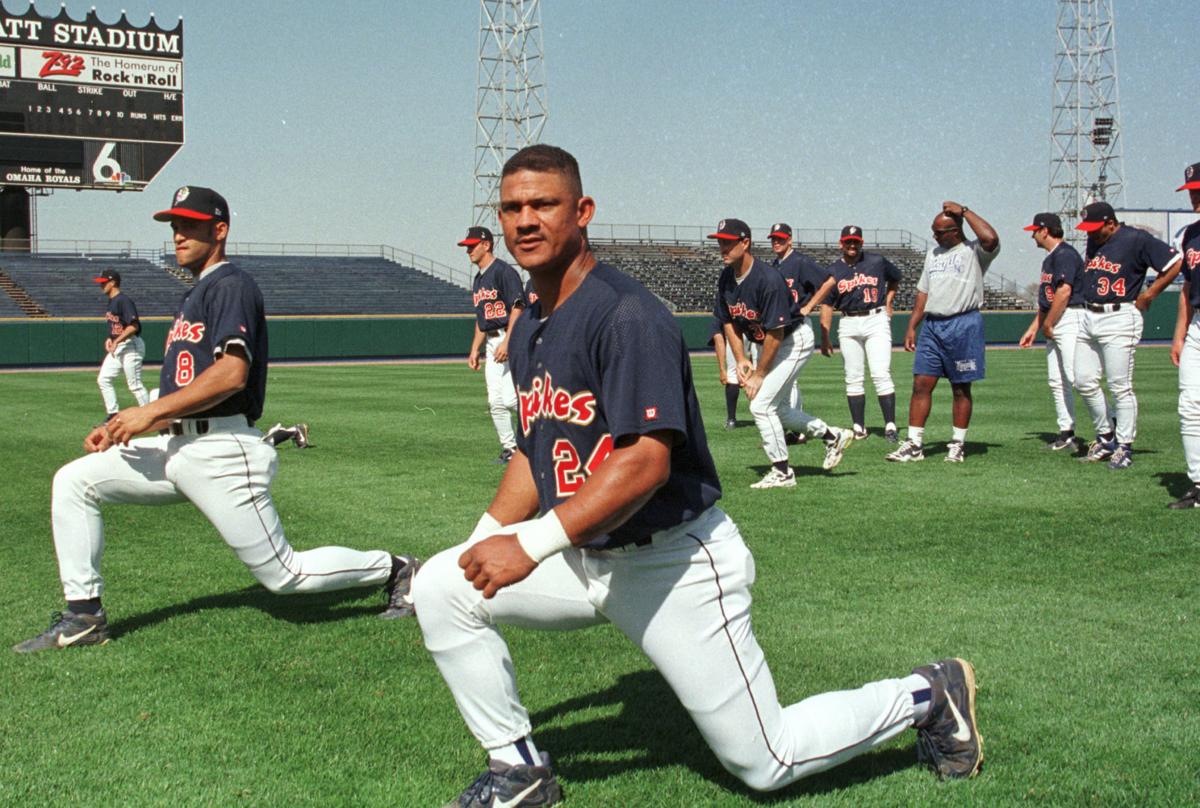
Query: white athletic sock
point(960, 435)
point(521, 753)
point(920, 688)
point(916, 434)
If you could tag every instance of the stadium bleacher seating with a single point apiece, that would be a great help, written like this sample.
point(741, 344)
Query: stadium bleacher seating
point(62, 284)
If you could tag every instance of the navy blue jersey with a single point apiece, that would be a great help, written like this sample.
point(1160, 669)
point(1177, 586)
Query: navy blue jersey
point(495, 292)
point(225, 304)
point(861, 287)
point(1116, 269)
point(1061, 265)
point(531, 295)
point(762, 302)
point(610, 362)
point(804, 277)
point(1189, 245)
point(121, 314)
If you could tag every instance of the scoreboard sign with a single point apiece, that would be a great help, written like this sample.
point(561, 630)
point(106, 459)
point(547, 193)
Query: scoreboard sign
point(87, 104)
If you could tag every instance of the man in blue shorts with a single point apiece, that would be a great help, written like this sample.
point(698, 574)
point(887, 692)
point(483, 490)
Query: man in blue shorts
point(949, 295)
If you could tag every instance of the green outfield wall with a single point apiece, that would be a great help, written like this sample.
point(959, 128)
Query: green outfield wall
point(32, 343)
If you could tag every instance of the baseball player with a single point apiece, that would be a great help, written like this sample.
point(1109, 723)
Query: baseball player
point(1060, 306)
point(207, 451)
point(726, 371)
point(864, 287)
point(754, 304)
point(1185, 347)
point(497, 296)
point(612, 455)
point(1117, 260)
point(124, 349)
point(949, 294)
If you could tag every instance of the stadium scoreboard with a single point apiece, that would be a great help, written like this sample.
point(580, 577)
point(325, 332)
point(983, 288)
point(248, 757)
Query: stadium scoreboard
point(88, 104)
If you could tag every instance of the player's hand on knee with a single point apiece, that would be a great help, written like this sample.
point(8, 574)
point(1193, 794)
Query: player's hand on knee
point(128, 424)
point(744, 371)
point(97, 440)
point(753, 385)
point(496, 562)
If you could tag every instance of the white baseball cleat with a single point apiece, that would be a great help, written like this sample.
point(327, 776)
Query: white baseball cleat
point(836, 447)
point(860, 432)
point(777, 479)
point(955, 451)
point(908, 452)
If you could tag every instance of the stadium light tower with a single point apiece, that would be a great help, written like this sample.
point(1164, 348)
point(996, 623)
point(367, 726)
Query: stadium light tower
point(1085, 158)
point(510, 103)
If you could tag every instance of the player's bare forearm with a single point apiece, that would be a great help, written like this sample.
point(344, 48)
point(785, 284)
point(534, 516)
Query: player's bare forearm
point(988, 238)
point(1161, 282)
point(476, 345)
point(1182, 319)
point(516, 497)
point(890, 298)
point(127, 333)
point(819, 296)
point(734, 341)
point(918, 314)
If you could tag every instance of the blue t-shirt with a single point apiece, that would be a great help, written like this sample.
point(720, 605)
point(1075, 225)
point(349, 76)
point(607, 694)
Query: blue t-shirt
point(804, 277)
point(1116, 269)
point(224, 305)
point(121, 314)
point(762, 302)
point(1189, 245)
point(495, 292)
point(861, 287)
point(1061, 265)
point(609, 362)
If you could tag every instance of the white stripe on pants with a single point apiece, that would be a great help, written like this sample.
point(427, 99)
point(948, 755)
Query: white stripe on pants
point(502, 395)
point(1189, 399)
point(1060, 367)
point(684, 600)
point(772, 408)
point(1106, 344)
point(867, 341)
point(128, 358)
point(227, 475)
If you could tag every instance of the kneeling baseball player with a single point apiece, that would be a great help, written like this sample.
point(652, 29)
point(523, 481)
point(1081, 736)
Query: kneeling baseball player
point(611, 452)
point(212, 387)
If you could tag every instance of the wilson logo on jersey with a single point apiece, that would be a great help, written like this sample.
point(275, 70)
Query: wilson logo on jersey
point(1102, 264)
point(743, 311)
point(544, 400)
point(183, 331)
point(484, 294)
point(852, 283)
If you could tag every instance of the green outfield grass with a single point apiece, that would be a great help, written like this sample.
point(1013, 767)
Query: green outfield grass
point(1072, 588)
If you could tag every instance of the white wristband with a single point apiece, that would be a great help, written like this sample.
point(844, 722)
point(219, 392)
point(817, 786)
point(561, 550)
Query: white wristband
point(542, 538)
point(488, 525)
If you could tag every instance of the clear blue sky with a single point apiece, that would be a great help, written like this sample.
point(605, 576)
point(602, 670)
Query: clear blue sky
point(333, 123)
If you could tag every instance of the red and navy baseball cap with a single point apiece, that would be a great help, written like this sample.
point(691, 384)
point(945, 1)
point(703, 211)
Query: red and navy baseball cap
point(476, 235)
point(780, 230)
point(1041, 220)
point(1191, 178)
point(108, 275)
point(194, 202)
point(1095, 215)
point(731, 230)
point(851, 232)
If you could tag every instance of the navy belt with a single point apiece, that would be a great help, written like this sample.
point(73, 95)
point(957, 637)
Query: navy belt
point(1105, 307)
point(863, 312)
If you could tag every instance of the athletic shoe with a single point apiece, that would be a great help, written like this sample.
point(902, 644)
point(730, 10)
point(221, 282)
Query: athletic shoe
point(505, 456)
point(1189, 500)
point(399, 591)
point(300, 436)
point(68, 629)
point(834, 448)
point(731, 424)
point(795, 438)
point(860, 432)
point(777, 479)
point(511, 787)
point(1063, 442)
point(890, 435)
point(949, 740)
point(1099, 450)
point(908, 452)
point(271, 434)
point(1122, 458)
point(956, 452)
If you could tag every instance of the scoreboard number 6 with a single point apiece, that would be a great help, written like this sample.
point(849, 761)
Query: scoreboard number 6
point(105, 160)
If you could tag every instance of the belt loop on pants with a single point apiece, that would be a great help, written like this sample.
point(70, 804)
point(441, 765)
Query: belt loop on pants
point(1104, 307)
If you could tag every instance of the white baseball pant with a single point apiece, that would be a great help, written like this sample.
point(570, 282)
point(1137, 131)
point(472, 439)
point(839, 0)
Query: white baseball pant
point(1189, 399)
point(128, 358)
point(1060, 368)
point(227, 474)
point(867, 341)
point(684, 600)
point(1106, 344)
point(772, 407)
point(502, 395)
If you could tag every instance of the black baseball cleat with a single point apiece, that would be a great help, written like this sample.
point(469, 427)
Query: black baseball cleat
point(505, 456)
point(512, 787)
point(68, 629)
point(949, 740)
point(795, 438)
point(1063, 442)
point(399, 589)
point(1189, 500)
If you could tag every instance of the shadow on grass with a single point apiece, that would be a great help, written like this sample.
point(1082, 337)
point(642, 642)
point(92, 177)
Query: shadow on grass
point(651, 730)
point(973, 448)
point(1177, 483)
point(316, 608)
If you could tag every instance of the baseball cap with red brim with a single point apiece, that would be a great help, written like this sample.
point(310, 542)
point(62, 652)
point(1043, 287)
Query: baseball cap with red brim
point(1094, 216)
point(780, 230)
point(731, 230)
point(194, 202)
point(1041, 220)
point(1191, 178)
point(108, 275)
point(476, 235)
point(851, 232)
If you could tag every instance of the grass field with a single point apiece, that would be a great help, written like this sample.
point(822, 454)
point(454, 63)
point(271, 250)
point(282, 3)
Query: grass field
point(1072, 588)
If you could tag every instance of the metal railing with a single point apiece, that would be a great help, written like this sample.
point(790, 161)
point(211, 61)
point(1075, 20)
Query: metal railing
point(80, 247)
point(696, 234)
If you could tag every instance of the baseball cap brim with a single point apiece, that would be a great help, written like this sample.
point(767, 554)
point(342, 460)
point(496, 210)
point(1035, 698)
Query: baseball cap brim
point(184, 213)
point(1189, 186)
point(1033, 227)
point(778, 234)
point(469, 242)
point(101, 280)
point(1089, 227)
point(851, 238)
point(725, 236)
